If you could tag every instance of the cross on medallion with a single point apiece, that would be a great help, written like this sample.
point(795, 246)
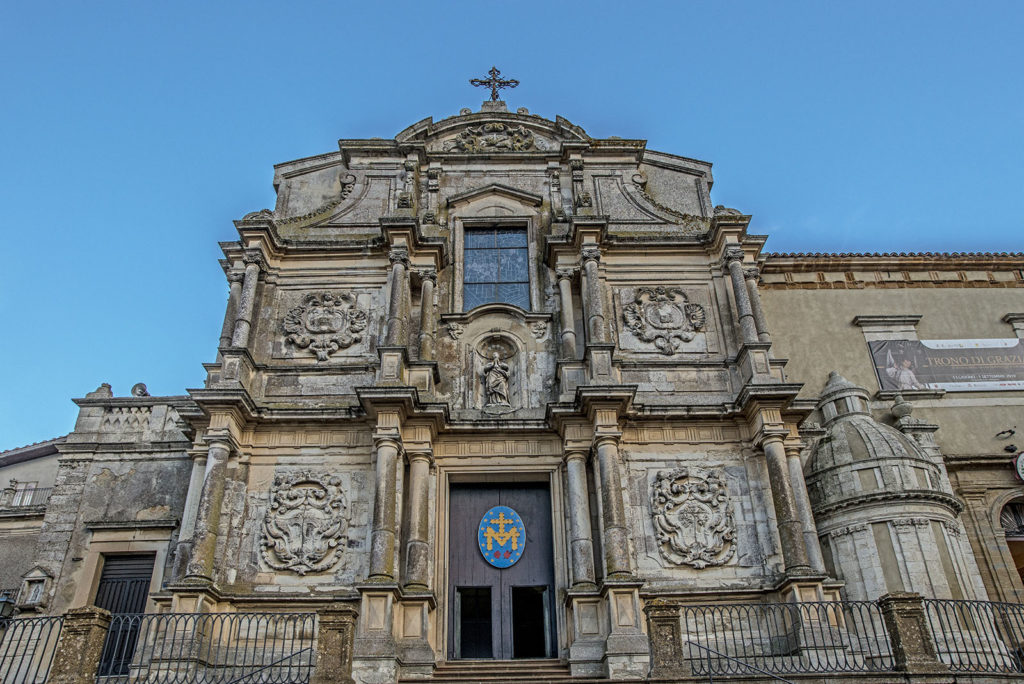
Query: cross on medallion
point(494, 82)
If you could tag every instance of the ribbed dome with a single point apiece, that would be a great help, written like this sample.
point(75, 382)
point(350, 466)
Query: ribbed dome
point(858, 455)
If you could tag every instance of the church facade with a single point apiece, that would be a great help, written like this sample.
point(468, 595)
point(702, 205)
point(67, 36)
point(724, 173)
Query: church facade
point(499, 385)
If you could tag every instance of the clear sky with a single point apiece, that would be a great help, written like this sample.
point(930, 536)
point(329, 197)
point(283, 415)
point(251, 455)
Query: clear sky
point(133, 133)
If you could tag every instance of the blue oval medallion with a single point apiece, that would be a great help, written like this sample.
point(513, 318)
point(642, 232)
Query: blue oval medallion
point(502, 536)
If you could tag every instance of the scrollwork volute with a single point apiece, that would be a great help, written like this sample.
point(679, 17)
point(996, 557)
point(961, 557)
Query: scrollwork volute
point(325, 322)
point(306, 523)
point(692, 517)
point(664, 316)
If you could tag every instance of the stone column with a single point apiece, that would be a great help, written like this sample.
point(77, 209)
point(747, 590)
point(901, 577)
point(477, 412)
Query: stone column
point(913, 649)
point(791, 529)
point(734, 262)
point(428, 318)
point(803, 506)
point(247, 301)
point(76, 659)
point(231, 313)
point(593, 303)
point(564, 276)
point(760, 322)
point(417, 547)
point(382, 538)
point(664, 628)
point(204, 545)
point(336, 628)
point(581, 537)
point(613, 508)
point(396, 336)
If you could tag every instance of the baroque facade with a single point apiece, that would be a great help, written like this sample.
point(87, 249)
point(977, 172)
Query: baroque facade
point(498, 385)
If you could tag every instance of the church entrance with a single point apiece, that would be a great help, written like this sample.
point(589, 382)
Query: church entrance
point(501, 572)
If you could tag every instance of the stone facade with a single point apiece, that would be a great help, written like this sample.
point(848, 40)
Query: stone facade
point(643, 383)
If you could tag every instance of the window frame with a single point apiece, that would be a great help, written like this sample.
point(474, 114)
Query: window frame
point(502, 222)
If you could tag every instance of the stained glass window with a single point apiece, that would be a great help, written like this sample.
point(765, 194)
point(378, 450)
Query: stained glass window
point(496, 268)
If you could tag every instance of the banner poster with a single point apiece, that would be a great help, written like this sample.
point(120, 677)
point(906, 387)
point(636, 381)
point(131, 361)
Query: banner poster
point(951, 365)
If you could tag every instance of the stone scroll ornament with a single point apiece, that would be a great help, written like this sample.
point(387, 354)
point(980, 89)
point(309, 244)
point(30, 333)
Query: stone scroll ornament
point(493, 137)
point(693, 521)
point(663, 316)
point(306, 523)
point(324, 323)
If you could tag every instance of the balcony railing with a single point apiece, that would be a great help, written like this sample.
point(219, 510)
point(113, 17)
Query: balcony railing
point(23, 498)
point(977, 636)
point(209, 648)
point(786, 638)
point(27, 647)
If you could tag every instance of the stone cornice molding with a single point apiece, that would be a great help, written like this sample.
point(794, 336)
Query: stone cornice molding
point(881, 320)
point(869, 499)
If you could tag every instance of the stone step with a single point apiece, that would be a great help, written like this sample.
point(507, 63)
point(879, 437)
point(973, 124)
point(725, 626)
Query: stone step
point(503, 672)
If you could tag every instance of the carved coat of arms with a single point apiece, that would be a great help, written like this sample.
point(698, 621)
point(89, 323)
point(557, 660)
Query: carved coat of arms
point(693, 521)
point(491, 137)
point(663, 316)
point(325, 322)
point(306, 523)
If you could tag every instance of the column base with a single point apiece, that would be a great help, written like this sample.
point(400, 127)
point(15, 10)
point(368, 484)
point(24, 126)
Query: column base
point(627, 649)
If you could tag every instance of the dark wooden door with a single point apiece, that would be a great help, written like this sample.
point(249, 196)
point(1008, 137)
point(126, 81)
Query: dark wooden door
point(500, 613)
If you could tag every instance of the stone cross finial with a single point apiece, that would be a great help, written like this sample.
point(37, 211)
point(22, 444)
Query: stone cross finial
point(494, 82)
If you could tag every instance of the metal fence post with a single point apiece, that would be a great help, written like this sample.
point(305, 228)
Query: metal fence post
point(665, 633)
point(913, 648)
point(77, 657)
point(335, 637)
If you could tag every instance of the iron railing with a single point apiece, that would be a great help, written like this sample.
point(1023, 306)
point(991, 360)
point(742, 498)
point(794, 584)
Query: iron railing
point(28, 497)
point(786, 638)
point(209, 648)
point(27, 647)
point(977, 636)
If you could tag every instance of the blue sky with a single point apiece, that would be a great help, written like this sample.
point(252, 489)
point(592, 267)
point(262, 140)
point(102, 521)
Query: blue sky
point(132, 133)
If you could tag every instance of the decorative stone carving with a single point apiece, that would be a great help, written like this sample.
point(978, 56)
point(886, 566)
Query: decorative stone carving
point(664, 316)
point(455, 330)
point(347, 184)
point(261, 215)
point(305, 524)
point(584, 199)
point(590, 253)
point(693, 521)
point(496, 381)
point(494, 137)
point(539, 329)
point(325, 323)
point(399, 255)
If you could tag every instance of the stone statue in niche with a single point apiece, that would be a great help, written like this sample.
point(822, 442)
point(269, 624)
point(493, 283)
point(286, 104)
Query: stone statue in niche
point(664, 316)
point(325, 322)
point(496, 379)
point(305, 524)
point(693, 520)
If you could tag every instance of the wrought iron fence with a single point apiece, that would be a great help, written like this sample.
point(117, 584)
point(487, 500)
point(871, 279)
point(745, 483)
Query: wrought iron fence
point(27, 646)
point(977, 636)
point(209, 648)
point(30, 497)
point(832, 636)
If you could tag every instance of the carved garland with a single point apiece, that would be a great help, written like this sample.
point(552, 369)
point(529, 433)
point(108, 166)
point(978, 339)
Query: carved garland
point(325, 323)
point(663, 316)
point(493, 137)
point(305, 524)
point(693, 521)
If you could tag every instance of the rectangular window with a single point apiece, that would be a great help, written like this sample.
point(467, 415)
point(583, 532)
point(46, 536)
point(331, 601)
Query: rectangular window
point(496, 268)
point(24, 493)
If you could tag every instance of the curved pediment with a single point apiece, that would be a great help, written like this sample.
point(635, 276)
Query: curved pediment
point(493, 132)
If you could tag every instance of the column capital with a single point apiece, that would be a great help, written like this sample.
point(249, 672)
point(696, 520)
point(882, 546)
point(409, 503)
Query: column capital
point(751, 273)
point(770, 435)
point(427, 273)
point(254, 256)
point(420, 454)
point(565, 273)
point(590, 253)
point(732, 253)
point(399, 255)
point(235, 276)
point(576, 453)
point(382, 439)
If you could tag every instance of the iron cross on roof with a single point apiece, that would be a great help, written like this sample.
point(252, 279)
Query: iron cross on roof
point(494, 83)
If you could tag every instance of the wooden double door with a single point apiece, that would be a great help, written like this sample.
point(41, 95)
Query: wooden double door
point(500, 613)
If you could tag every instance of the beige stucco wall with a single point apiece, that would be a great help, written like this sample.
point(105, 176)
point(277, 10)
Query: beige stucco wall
point(814, 329)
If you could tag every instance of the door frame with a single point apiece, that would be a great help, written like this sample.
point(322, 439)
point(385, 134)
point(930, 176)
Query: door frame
point(514, 470)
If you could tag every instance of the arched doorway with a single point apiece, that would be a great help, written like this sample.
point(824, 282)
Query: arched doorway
point(1012, 521)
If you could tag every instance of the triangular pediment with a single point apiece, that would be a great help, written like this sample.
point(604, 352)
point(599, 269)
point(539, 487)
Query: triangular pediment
point(495, 189)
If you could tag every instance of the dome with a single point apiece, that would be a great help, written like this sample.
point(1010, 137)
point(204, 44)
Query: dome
point(860, 460)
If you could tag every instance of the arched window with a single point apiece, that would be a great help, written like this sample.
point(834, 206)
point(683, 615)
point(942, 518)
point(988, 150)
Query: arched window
point(1012, 520)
